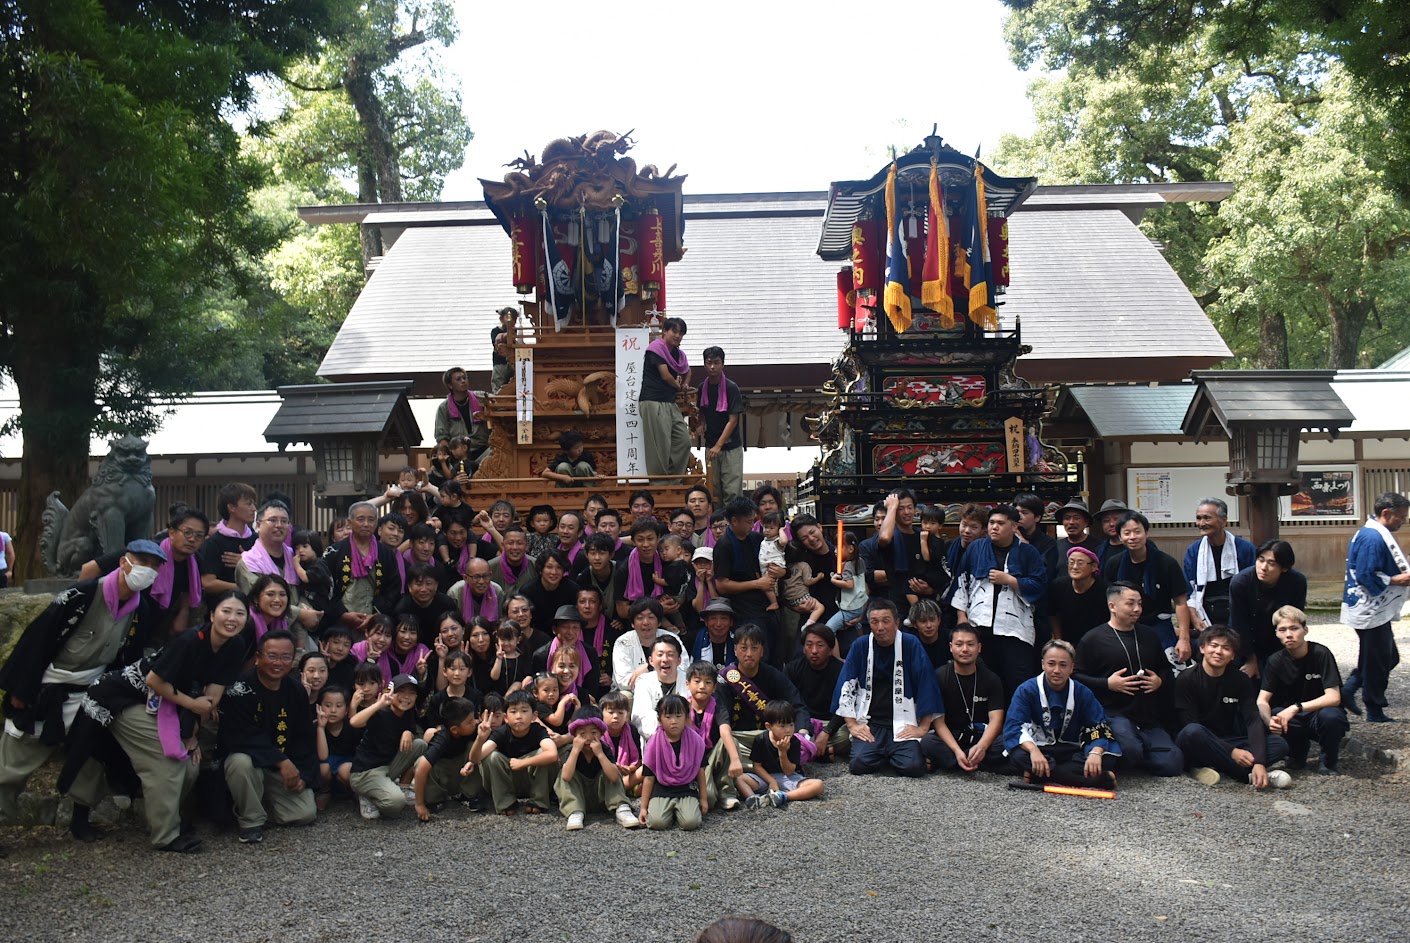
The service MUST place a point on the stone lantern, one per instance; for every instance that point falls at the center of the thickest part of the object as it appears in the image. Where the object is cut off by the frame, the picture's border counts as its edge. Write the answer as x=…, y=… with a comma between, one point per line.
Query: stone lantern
x=1263, y=414
x=348, y=425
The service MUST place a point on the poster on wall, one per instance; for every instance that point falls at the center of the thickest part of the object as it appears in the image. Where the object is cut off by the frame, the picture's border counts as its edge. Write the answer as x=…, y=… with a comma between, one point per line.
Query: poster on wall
x=631, y=354
x=1326, y=493
x=1153, y=493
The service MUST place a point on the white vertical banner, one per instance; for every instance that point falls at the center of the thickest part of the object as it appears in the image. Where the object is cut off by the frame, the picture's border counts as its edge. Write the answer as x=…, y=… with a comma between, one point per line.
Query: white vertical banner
x=524, y=393
x=631, y=444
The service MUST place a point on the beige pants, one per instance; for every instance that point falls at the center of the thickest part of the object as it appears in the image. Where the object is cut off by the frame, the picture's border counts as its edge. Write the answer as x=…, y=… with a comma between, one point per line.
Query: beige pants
x=683, y=811
x=253, y=787
x=667, y=439
x=380, y=783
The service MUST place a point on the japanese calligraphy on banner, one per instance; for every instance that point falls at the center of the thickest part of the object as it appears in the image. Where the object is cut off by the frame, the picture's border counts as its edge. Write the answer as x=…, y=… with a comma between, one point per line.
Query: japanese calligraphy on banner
x=524, y=393
x=631, y=446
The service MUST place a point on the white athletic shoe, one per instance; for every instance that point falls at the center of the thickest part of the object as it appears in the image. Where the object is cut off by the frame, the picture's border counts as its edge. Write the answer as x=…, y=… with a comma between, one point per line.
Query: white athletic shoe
x=1279, y=779
x=1206, y=775
x=731, y=802
x=575, y=822
x=626, y=817
x=368, y=808
x=410, y=793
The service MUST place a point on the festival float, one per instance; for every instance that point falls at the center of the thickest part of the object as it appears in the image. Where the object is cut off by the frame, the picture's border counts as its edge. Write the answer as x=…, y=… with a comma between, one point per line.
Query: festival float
x=925, y=393
x=592, y=235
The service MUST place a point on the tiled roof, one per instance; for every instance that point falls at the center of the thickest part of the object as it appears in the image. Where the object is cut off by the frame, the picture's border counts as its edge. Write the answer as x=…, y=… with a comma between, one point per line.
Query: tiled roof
x=1089, y=284
x=345, y=409
x=1129, y=411
x=1086, y=284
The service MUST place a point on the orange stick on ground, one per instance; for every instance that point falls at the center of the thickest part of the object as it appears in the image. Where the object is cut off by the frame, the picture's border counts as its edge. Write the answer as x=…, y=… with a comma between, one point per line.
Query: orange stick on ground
x=1078, y=791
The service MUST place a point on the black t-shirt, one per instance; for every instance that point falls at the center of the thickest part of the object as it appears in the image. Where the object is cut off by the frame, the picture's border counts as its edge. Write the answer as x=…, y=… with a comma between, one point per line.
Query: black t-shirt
x=653, y=388
x=344, y=742
x=428, y=618
x=1301, y=679
x=715, y=420
x=897, y=580
x=883, y=667
x=445, y=746
x=622, y=572
x=1077, y=612
x=437, y=702
x=382, y=740
x=1225, y=704
x=968, y=699
x=765, y=755
x=751, y=604
x=712, y=735
x=341, y=673
x=496, y=359
x=1169, y=582
x=772, y=685
x=461, y=513
x=188, y=663
x=937, y=650
x=218, y=544
x=824, y=562
x=548, y=601
x=815, y=686
x=515, y=748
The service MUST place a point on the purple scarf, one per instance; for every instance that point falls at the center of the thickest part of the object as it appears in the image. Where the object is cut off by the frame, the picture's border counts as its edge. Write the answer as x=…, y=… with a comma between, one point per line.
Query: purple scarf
x=116, y=606
x=721, y=400
x=667, y=767
x=362, y=566
x=635, y=589
x=462, y=563
x=169, y=731
x=263, y=624
x=224, y=528
x=624, y=753
x=599, y=635
x=707, y=719
x=454, y=410
x=468, y=610
x=161, y=591
x=392, y=665
x=257, y=560
x=573, y=551
x=584, y=663
x=676, y=359
x=510, y=577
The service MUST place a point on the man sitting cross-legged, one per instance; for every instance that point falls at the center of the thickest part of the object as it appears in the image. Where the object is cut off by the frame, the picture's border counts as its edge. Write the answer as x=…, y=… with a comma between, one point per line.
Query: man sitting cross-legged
x=1222, y=734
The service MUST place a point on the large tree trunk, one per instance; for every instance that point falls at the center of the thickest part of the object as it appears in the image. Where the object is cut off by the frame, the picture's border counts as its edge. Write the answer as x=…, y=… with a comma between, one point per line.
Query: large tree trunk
x=1272, y=341
x=54, y=373
x=372, y=117
x=1344, y=340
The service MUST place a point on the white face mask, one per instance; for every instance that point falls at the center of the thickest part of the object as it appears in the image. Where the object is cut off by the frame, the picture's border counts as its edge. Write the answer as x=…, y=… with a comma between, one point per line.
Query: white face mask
x=139, y=577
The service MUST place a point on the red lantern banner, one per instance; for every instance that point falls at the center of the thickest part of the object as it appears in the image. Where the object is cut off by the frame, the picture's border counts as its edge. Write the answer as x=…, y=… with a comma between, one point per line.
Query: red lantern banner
x=999, y=249
x=653, y=252
x=845, y=294
x=867, y=250
x=524, y=237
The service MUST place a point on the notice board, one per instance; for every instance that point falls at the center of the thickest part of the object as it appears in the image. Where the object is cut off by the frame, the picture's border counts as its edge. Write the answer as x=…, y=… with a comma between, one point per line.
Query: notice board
x=1169, y=495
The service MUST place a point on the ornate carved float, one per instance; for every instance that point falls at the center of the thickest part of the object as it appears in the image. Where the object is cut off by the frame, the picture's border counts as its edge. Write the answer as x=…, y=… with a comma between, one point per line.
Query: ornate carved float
x=924, y=393
x=591, y=237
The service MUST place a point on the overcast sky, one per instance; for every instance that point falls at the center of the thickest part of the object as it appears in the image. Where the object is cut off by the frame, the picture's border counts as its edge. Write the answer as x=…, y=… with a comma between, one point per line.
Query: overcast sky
x=741, y=96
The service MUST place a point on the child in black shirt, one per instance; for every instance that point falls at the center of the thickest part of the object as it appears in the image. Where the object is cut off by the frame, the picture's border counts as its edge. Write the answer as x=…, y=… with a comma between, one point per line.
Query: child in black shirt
x=440, y=770
x=337, y=742
x=574, y=466
x=517, y=759
x=777, y=778
x=388, y=749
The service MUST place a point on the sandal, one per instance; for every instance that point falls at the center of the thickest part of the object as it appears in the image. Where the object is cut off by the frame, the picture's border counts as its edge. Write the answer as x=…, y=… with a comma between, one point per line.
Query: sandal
x=532, y=809
x=512, y=810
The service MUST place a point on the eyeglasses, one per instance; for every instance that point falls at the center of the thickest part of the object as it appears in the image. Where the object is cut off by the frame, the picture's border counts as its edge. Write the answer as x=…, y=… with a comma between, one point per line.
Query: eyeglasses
x=277, y=521
x=193, y=535
x=277, y=658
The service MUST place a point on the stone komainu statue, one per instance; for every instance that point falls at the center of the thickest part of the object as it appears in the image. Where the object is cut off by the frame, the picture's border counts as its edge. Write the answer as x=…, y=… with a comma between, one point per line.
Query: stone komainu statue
x=116, y=509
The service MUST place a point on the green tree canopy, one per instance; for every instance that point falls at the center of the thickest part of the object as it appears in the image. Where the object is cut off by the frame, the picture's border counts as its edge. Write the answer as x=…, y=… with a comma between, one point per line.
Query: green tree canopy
x=123, y=190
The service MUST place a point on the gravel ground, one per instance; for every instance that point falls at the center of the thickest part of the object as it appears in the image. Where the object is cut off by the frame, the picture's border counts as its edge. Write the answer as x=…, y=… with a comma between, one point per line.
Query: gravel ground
x=878, y=859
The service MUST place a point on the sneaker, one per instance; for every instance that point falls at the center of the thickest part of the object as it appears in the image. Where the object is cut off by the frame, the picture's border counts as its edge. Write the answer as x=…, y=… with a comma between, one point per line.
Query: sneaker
x=754, y=802
x=1206, y=775
x=1279, y=779
x=626, y=817
x=730, y=802
x=410, y=794
x=575, y=822
x=1348, y=700
x=251, y=836
x=779, y=799
x=368, y=808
